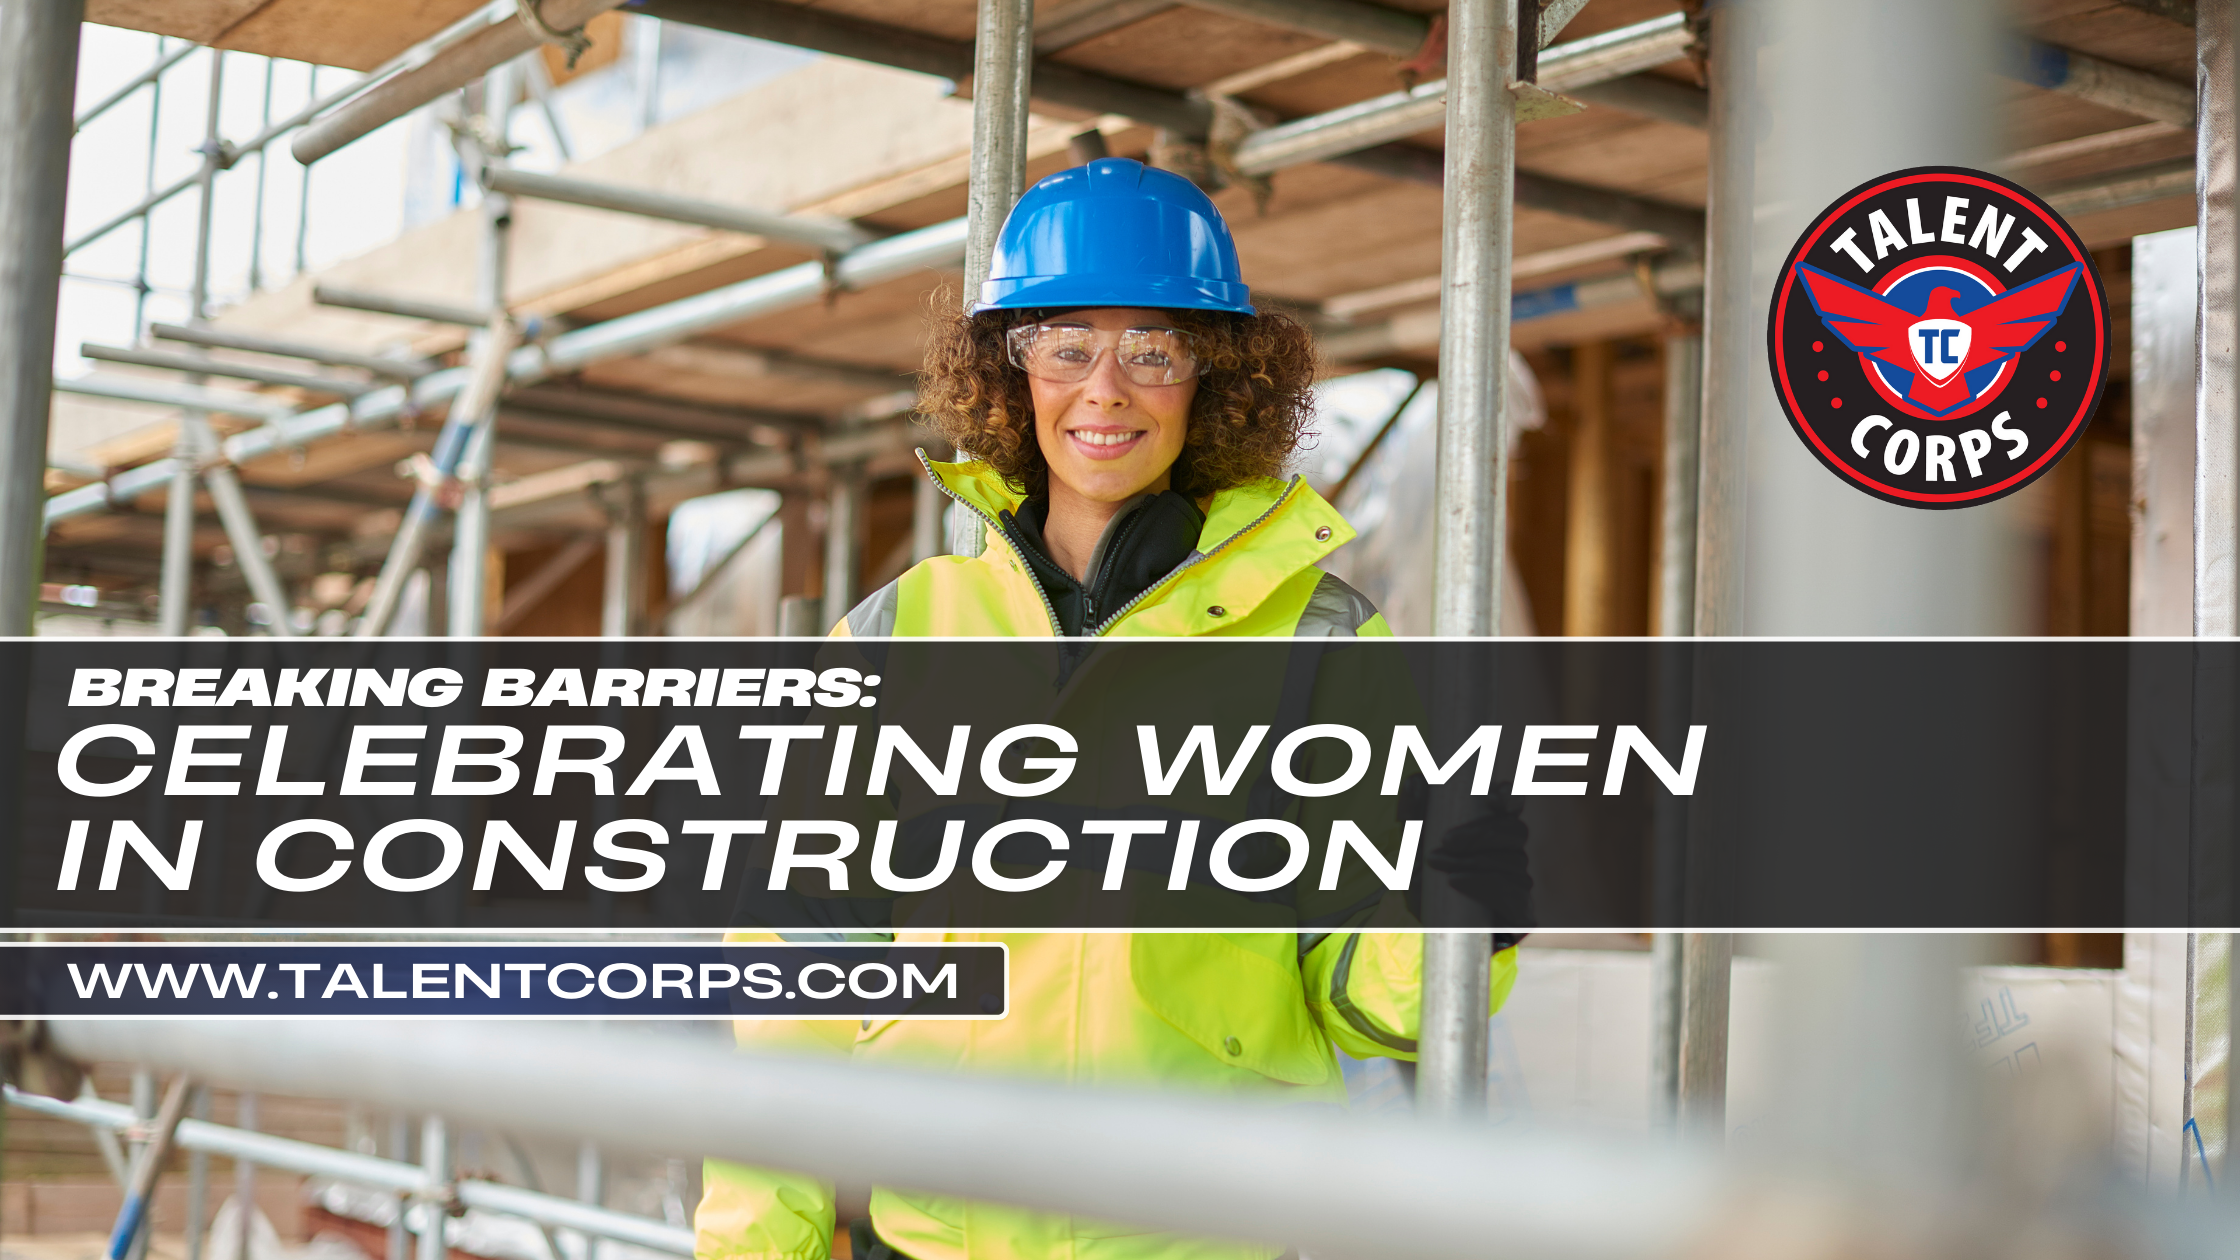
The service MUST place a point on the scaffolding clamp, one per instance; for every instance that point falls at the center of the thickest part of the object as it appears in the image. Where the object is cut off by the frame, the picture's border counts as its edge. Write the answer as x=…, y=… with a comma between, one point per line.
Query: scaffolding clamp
x=575, y=41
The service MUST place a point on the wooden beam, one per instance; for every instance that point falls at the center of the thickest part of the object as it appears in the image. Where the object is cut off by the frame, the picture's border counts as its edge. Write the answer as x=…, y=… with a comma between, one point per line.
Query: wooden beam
x=538, y=586
x=1589, y=543
x=842, y=36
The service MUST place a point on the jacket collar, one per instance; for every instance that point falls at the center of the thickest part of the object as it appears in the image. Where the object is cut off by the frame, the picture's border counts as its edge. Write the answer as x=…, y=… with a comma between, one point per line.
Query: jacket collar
x=1257, y=536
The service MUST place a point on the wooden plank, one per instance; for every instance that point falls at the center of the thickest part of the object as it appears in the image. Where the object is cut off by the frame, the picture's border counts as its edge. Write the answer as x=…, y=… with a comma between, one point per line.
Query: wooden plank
x=341, y=32
x=199, y=20
x=1185, y=47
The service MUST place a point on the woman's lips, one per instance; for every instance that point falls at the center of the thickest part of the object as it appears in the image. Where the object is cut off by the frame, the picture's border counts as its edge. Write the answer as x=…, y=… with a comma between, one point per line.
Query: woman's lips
x=1104, y=443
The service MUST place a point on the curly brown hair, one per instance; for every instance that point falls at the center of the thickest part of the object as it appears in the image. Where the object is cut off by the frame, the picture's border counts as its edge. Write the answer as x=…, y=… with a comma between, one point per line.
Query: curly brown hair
x=1255, y=395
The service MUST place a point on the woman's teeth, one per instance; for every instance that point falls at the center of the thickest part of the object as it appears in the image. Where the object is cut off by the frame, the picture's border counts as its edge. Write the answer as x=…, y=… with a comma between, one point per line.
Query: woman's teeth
x=1107, y=439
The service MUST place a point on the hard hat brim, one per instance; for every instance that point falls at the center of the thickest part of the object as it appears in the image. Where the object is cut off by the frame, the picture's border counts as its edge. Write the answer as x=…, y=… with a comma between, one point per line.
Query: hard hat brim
x=1159, y=292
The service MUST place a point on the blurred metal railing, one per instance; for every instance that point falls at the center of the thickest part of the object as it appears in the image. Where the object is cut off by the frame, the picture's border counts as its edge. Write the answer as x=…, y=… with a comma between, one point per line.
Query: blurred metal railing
x=410, y=1181
x=1883, y=1141
x=1333, y=1185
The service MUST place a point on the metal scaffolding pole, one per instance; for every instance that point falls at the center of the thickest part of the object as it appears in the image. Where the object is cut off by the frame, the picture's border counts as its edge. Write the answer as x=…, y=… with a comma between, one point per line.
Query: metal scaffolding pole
x=148, y=180
x=230, y=339
x=198, y=1180
x=435, y=1159
x=1683, y=446
x=244, y=1178
x=164, y=61
x=175, y=596
x=941, y=245
x=1821, y=557
x=400, y=1151
x=38, y=81
x=1733, y=374
x=591, y=1187
x=1700, y=1062
x=469, y=570
x=174, y=593
x=927, y=503
x=1474, y=303
x=1330, y=1184
x=1664, y=1029
x=458, y=57
x=836, y=235
x=622, y=602
x=485, y=376
x=843, y=544
x=470, y=538
x=2216, y=476
x=1451, y=1082
x=144, y=1111
x=1002, y=69
x=241, y=527
x=1468, y=538
x=394, y=1173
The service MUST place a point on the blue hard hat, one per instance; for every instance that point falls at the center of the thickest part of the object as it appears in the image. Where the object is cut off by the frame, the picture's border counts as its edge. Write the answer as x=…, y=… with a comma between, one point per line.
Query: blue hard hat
x=1115, y=233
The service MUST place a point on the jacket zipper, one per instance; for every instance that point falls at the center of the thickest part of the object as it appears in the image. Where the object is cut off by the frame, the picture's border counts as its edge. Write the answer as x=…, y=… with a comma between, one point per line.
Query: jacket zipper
x=1186, y=565
x=1049, y=609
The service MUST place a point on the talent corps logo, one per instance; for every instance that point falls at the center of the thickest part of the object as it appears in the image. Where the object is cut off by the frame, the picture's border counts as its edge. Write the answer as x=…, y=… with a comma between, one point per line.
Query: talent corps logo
x=1939, y=337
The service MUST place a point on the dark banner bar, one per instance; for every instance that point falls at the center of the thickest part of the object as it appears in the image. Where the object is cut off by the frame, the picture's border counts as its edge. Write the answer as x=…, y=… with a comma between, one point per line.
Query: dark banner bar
x=820, y=980
x=881, y=786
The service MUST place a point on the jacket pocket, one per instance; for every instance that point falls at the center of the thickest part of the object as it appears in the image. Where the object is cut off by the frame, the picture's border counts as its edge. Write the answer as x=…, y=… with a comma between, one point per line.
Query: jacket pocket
x=1238, y=996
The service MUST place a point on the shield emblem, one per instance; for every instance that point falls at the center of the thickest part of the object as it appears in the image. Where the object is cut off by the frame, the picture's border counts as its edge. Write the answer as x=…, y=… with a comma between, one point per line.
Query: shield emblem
x=1940, y=346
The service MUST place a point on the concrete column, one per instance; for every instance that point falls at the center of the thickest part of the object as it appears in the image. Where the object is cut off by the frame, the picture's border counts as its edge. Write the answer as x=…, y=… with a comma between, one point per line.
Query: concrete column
x=38, y=88
x=1914, y=86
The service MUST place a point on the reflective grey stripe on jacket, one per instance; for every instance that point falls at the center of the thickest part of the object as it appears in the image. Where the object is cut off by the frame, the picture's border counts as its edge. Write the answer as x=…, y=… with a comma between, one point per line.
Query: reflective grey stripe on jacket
x=874, y=617
x=1334, y=611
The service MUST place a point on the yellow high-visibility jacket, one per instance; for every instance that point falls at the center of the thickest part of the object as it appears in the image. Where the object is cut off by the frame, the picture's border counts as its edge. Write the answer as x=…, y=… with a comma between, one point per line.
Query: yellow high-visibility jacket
x=1253, y=573
x=1223, y=1013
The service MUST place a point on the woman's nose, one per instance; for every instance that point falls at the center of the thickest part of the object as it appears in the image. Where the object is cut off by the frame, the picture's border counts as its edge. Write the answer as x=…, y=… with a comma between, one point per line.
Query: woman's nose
x=1106, y=387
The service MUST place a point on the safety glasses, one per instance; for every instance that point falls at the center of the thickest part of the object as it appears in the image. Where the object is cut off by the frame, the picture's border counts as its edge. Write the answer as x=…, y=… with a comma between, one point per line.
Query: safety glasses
x=1068, y=353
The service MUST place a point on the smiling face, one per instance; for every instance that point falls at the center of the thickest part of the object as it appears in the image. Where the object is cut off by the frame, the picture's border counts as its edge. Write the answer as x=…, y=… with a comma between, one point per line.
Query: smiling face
x=1106, y=438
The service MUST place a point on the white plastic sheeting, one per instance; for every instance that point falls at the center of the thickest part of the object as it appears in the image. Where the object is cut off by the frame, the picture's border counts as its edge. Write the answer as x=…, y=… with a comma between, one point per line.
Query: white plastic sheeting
x=1391, y=505
x=734, y=589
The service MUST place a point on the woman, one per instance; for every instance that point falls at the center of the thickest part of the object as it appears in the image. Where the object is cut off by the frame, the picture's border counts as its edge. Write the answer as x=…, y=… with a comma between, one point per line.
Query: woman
x=1131, y=415
x=1131, y=412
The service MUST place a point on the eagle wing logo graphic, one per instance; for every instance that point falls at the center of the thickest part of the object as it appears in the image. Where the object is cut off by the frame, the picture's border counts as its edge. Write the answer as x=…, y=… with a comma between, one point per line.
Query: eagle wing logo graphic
x=1922, y=344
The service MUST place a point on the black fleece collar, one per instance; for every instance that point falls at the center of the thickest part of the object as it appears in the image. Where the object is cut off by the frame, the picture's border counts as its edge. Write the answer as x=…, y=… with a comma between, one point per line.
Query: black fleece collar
x=1148, y=538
